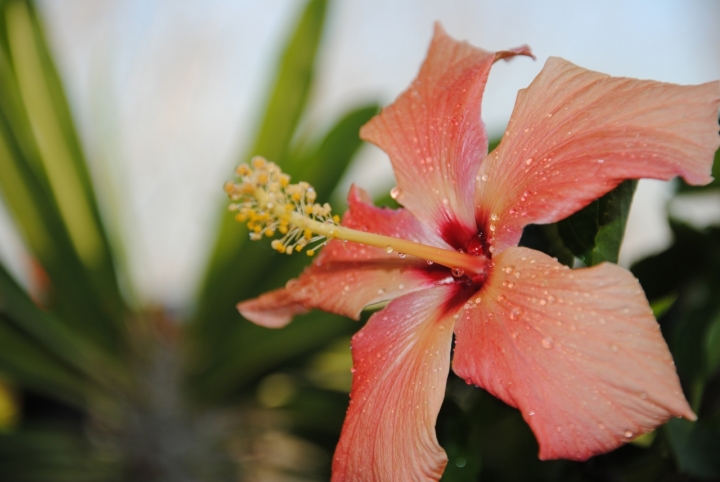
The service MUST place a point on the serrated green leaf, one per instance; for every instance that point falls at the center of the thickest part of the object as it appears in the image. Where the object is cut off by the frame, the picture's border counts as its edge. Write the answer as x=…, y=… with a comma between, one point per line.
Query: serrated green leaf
x=594, y=234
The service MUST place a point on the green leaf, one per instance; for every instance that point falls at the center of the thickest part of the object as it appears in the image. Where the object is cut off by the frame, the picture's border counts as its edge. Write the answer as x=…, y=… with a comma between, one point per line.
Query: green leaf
x=54, y=338
x=45, y=182
x=594, y=234
x=696, y=446
x=278, y=125
x=43, y=454
x=255, y=267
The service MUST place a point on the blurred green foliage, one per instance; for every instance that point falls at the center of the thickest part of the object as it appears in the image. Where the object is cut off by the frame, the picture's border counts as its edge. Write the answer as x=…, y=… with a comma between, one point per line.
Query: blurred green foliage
x=92, y=389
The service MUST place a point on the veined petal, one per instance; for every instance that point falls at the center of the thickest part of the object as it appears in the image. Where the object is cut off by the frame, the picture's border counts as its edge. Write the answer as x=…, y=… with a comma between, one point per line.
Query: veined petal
x=346, y=277
x=401, y=360
x=435, y=137
x=577, y=351
x=575, y=134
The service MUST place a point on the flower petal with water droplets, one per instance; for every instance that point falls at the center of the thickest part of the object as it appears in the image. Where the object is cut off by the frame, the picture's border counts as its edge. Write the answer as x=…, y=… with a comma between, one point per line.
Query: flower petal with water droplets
x=582, y=356
x=346, y=277
x=435, y=137
x=575, y=134
x=401, y=360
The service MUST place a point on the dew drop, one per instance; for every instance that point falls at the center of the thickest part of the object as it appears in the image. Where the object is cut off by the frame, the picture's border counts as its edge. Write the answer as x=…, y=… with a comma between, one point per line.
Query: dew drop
x=547, y=342
x=531, y=413
x=543, y=302
x=509, y=269
x=429, y=261
x=494, y=216
x=458, y=272
x=501, y=298
x=601, y=426
x=485, y=177
x=388, y=249
x=600, y=161
x=551, y=299
x=401, y=255
x=478, y=300
x=614, y=348
x=395, y=192
x=529, y=161
x=445, y=201
x=352, y=370
x=628, y=433
x=381, y=291
x=516, y=313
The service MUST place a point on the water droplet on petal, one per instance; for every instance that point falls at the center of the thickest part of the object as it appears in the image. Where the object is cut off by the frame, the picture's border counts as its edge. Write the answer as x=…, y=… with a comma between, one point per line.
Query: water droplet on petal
x=352, y=370
x=401, y=255
x=501, y=298
x=509, y=269
x=516, y=313
x=600, y=161
x=494, y=216
x=531, y=413
x=628, y=433
x=601, y=426
x=529, y=161
x=429, y=261
x=388, y=249
x=485, y=177
x=547, y=342
x=458, y=272
x=614, y=348
x=395, y=192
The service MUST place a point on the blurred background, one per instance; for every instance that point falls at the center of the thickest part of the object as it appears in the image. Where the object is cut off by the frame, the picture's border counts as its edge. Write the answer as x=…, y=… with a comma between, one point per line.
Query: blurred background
x=121, y=354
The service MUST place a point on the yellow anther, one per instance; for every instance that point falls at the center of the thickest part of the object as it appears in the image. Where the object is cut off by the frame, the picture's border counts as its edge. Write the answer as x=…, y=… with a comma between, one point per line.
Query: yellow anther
x=296, y=196
x=283, y=229
x=288, y=250
x=229, y=187
x=284, y=180
x=269, y=233
x=262, y=178
x=258, y=162
x=310, y=252
x=257, y=228
x=299, y=248
x=241, y=217
x=307, y=234
x=309, y=209
x=336, y=218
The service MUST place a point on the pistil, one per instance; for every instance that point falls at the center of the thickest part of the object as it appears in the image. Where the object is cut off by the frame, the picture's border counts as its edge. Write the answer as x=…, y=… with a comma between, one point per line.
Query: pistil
x=267, y=201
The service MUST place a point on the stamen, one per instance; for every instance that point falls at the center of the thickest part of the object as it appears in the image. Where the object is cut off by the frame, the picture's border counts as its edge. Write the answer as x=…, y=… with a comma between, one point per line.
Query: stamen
x=263, y=198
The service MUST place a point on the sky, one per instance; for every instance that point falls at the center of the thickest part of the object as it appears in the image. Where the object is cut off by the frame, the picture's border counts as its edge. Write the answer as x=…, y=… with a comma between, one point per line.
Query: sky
x=166, y=94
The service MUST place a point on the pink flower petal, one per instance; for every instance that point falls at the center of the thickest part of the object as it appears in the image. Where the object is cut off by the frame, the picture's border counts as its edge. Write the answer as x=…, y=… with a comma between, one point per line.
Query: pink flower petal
x=401, y=360
x=435, y=138
x=577, y=351
x=576, y=134
x=346, y=277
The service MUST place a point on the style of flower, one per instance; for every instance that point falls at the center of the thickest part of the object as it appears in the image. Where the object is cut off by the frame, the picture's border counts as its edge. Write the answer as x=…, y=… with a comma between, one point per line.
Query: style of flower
x=578, y=352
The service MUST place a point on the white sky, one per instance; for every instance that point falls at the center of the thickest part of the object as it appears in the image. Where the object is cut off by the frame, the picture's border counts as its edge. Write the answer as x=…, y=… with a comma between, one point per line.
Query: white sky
x=166, y=93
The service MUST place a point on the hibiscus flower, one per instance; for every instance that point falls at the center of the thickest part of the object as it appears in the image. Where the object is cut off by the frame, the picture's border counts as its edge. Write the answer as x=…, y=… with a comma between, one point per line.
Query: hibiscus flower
x=577, y=351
